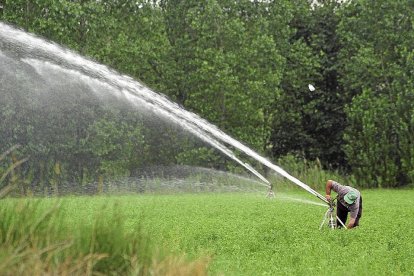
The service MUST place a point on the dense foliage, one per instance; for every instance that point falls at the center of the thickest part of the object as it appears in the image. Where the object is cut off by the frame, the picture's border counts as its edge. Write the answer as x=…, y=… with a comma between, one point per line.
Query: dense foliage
x=242, y=65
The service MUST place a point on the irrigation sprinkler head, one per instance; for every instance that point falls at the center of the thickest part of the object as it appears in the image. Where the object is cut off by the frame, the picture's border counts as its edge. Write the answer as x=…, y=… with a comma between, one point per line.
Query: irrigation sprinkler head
x=330, y=216
x=270, y=192
x=311, y=87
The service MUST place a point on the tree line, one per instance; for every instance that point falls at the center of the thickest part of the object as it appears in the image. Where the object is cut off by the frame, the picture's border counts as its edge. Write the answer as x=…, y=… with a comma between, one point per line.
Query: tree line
x=245, y=66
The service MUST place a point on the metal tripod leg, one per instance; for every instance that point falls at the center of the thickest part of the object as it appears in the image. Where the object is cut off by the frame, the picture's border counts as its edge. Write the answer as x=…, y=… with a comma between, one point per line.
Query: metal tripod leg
x=270, y=193
x=341, y=222
x=325, y=218
x=329, y=213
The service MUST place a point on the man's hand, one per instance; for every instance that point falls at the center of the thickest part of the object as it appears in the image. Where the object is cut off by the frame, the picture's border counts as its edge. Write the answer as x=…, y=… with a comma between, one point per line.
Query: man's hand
x=351, y=223
x=328, y=198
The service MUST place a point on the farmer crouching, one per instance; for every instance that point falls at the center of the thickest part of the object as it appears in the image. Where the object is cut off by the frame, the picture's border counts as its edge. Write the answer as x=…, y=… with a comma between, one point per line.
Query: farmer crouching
x=349, y=200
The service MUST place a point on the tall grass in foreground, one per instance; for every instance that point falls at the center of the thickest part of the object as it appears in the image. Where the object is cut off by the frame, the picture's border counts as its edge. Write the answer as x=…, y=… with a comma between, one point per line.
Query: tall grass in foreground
x=39, y=240
x=36, y=240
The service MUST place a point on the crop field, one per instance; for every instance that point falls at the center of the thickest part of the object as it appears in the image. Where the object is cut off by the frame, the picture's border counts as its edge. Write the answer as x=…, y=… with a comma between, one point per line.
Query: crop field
x=234, y=233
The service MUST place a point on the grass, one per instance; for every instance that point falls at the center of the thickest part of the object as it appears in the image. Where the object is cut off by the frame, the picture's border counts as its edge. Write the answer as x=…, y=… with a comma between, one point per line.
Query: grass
x=235, y=233
x=80, y=236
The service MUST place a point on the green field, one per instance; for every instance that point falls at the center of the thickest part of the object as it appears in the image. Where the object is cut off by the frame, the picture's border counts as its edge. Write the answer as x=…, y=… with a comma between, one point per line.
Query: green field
x=240, y=234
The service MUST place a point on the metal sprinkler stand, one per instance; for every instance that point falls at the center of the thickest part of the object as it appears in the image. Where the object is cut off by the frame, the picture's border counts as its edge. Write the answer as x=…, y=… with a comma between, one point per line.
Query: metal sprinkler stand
x=329, y=215
x=270, y=193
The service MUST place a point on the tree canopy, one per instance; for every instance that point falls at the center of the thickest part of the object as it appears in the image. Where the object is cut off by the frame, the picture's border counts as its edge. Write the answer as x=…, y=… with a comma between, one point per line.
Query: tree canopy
x=245, y=67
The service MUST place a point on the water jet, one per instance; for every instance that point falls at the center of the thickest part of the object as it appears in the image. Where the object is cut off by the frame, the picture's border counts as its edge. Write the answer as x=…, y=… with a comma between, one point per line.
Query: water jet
x=55, y=82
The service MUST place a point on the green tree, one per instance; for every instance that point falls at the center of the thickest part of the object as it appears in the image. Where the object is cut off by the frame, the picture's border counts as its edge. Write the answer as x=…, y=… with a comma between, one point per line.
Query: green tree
x=227, y=64
x=294, y=104
x=377, y=67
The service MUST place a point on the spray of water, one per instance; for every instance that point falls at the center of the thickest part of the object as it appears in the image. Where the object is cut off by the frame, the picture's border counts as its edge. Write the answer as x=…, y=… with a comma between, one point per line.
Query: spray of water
x=301, y=200
x=44, y=69
x=45, y=56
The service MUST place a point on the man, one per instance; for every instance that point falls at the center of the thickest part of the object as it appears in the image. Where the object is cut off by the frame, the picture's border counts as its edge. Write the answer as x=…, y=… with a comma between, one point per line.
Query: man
x=349, y=200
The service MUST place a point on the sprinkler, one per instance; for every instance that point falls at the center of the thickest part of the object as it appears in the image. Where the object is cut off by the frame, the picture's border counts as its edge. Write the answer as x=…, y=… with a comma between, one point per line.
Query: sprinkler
x=270, y=193
x=330, y=216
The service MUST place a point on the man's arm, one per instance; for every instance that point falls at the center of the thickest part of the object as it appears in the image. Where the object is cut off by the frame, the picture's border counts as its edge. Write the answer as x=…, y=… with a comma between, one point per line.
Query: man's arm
x=353, y=214
x=351, y=223
x=328, y=189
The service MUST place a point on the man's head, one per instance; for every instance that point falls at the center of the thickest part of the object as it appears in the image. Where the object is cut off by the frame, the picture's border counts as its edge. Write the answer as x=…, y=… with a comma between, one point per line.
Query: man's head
x=350, y=197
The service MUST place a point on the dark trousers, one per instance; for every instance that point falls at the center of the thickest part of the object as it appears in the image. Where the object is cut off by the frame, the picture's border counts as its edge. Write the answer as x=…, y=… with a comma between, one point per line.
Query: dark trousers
x=342, y=213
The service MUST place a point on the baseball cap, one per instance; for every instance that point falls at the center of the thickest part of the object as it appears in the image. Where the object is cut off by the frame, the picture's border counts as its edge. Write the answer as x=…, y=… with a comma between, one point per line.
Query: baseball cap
x=350, y=197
